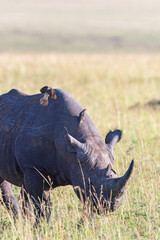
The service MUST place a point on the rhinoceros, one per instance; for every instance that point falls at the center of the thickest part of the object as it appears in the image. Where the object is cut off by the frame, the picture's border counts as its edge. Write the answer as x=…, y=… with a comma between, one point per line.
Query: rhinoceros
x=44, y=147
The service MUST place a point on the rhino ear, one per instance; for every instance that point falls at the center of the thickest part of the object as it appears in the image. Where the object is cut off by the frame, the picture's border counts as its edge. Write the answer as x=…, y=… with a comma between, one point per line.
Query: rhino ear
x=82, y=116
x=112, y=138
x=72, y=145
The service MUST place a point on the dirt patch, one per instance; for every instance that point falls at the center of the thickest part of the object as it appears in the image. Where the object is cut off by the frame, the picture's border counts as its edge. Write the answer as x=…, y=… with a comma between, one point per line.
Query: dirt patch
x=153, y=104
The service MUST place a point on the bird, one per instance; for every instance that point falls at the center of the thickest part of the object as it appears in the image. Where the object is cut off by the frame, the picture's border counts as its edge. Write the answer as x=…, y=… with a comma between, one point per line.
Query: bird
x=48, y=92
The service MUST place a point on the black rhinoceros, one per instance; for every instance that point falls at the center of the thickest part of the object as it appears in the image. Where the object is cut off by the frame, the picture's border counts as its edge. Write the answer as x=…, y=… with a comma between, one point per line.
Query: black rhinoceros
x=43, y=147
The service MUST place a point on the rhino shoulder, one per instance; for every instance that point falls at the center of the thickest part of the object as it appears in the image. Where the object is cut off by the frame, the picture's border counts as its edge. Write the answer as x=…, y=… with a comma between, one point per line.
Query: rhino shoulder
x=16, y=92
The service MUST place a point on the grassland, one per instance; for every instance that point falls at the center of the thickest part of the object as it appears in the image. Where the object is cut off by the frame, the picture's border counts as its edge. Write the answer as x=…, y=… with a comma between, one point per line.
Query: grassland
x=107, y=85
x=85, y=25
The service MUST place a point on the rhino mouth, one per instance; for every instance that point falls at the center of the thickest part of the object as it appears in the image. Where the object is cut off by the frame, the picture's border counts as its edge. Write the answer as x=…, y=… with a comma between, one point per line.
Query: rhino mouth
x=105, y=207
x=111, y=196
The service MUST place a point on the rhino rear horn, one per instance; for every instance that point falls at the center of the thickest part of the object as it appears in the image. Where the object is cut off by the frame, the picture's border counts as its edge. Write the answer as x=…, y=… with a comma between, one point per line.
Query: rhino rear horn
x=112, y=138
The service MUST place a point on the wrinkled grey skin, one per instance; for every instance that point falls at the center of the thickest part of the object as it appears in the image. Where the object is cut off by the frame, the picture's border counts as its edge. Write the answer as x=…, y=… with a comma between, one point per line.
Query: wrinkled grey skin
x=59, y=144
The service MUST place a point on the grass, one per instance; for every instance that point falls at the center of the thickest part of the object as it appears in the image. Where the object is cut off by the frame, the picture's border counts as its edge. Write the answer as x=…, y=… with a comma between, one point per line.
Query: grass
x=107, y=85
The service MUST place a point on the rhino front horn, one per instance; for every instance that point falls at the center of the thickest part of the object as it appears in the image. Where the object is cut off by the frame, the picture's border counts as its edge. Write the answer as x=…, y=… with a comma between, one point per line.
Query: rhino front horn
x=121, y=183
x=127, y=175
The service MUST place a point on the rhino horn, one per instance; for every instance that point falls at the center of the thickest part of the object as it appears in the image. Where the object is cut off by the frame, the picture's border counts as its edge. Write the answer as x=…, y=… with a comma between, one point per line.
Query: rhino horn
x=123, y=180
x=120, y=183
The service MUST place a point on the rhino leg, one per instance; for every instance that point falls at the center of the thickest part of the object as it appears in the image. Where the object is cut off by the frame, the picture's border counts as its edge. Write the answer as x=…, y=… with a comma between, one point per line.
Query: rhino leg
x=26, y=202
x=8, y=197
x=38, y=190
x=48, y=205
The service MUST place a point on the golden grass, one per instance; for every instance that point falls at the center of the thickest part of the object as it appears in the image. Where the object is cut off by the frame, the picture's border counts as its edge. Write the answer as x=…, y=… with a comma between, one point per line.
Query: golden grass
x=107, y=85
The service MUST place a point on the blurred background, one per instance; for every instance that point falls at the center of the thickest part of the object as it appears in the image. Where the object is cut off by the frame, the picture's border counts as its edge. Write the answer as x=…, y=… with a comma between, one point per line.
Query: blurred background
x=80, y=25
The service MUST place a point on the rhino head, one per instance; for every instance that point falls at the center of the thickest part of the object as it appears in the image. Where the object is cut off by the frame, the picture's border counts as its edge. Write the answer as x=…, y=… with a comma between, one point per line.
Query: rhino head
x=93, y=177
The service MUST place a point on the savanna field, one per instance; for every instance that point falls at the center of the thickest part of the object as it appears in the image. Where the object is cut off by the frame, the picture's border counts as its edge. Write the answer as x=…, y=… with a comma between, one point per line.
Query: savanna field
x=118, y=92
